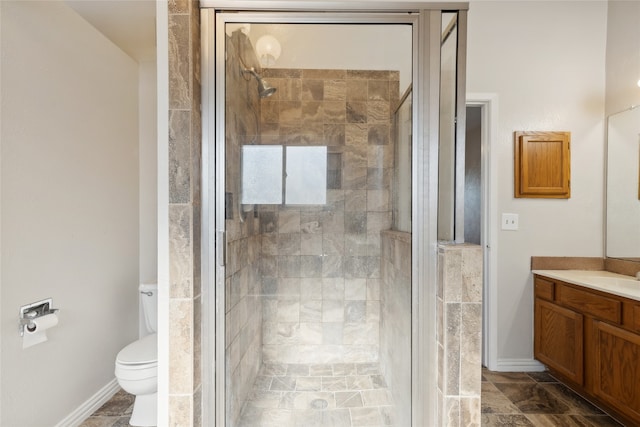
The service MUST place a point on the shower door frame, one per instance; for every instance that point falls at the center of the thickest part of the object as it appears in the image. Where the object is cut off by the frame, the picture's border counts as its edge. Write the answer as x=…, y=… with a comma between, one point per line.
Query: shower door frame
x=425, y=19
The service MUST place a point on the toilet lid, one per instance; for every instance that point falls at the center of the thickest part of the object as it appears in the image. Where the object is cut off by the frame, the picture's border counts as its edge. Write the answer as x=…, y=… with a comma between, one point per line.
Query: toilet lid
x=145, y=350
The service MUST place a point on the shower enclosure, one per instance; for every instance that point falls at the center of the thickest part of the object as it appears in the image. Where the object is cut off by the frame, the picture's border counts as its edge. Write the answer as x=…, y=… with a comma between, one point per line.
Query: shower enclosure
x=320, y=184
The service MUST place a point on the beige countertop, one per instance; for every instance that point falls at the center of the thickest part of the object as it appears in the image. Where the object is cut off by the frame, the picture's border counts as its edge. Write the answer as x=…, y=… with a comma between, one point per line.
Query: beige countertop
x=605, y=281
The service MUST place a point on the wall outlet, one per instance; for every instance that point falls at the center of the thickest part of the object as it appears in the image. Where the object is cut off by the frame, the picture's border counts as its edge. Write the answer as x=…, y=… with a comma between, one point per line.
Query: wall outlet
x=509, y=221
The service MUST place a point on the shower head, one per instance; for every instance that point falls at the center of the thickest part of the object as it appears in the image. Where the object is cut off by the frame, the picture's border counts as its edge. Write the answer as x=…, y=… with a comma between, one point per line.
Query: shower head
x=264, y=89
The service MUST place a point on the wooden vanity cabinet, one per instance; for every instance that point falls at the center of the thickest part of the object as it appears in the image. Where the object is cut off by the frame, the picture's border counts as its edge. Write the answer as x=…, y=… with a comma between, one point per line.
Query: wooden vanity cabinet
x=616, y=370
x=591, y=340
x=559, y=339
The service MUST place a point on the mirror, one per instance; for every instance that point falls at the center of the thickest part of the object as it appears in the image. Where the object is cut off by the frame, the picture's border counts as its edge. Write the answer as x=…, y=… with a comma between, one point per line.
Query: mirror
x=622, y=228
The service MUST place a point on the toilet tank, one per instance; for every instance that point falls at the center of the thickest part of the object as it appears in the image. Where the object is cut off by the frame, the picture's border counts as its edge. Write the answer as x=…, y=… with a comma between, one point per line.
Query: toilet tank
x=148, y=308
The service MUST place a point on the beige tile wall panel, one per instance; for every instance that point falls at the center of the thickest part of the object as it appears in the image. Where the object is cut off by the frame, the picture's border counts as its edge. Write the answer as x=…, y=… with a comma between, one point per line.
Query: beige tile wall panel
x=184, y=214
x=459, y=334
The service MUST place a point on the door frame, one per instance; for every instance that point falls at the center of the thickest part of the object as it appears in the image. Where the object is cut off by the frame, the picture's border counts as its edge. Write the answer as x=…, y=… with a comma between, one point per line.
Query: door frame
x=488, y=103
x=426, y=19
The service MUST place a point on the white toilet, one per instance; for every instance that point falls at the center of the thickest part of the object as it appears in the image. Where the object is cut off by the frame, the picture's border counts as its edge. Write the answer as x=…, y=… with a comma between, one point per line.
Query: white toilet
x=137, y=364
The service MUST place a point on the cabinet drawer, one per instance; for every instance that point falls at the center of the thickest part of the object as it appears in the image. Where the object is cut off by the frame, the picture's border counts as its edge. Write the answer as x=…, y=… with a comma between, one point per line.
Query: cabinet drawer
x=543, y=288
x=589, y=303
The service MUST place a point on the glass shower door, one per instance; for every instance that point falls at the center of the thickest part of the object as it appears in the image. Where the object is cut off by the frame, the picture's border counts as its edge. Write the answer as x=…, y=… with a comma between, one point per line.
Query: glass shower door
x=316, y=290
x=318, y=286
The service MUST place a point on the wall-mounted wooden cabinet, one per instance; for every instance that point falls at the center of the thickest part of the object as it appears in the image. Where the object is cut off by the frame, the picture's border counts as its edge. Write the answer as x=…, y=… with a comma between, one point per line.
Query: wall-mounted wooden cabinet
x=590, y=340
x=542, y=165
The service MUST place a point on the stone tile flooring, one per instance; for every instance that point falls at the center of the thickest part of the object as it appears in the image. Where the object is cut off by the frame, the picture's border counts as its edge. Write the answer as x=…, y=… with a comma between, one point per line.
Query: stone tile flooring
x=312, y=395
x=535, y=399
x=115, y=413
x=357, y=395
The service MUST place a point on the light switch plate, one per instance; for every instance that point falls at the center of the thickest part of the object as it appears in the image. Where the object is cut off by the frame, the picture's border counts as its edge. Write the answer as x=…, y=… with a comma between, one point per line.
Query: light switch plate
x=509, y=221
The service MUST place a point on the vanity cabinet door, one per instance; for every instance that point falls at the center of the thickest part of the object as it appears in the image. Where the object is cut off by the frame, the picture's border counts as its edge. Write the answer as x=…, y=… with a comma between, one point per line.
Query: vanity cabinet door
x=559, y=339
x=617, y=371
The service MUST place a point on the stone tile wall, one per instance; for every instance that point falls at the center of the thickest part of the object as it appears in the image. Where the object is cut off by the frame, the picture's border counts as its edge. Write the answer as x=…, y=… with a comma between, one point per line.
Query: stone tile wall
x=184, y=214
x=395, y=321
x=321, y=264
x=459, y=334
x=243, y=304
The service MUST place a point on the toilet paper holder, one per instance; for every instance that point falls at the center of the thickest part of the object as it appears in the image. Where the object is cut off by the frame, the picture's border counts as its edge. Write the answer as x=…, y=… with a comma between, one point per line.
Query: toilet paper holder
x=30, y=312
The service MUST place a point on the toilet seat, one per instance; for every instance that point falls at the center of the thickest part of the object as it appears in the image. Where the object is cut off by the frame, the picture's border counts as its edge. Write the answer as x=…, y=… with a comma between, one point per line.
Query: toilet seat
x=141, y=352
x=139, y=360
x=136, y=372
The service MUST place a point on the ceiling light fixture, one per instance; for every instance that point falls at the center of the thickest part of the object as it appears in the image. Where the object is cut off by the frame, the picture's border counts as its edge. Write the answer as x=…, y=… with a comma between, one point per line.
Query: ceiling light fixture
x=268, y=50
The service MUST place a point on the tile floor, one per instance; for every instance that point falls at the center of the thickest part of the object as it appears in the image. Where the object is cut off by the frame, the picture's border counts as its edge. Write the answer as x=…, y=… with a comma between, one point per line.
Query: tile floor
x=535, y=400
x=115, y=413
x=318, y=395
x=356, y=395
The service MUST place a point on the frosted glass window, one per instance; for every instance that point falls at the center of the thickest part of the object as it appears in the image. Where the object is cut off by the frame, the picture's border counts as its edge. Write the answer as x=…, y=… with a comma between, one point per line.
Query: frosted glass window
x=261, y=174
x=306, y=179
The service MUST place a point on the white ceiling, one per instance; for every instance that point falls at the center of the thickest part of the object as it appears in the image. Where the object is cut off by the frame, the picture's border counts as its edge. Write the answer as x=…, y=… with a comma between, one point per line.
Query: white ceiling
x=129, y=24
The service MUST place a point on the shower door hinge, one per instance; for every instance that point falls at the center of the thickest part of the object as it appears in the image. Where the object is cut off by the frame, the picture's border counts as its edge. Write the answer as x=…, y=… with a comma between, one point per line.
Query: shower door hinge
x=221, y=245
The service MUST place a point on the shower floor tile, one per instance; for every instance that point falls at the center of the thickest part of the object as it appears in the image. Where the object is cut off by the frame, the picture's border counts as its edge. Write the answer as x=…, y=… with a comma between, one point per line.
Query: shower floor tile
x=317, y=395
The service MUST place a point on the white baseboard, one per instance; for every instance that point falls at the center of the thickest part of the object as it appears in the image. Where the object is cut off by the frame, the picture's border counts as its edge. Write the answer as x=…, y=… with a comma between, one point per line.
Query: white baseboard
x=519, y=365
x=85, y=410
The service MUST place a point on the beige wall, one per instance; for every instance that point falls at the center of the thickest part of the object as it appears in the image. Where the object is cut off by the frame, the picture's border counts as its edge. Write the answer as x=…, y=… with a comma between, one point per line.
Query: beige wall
x=545, y=62
x=148, y=136
x=69, y=173
x=370, y=47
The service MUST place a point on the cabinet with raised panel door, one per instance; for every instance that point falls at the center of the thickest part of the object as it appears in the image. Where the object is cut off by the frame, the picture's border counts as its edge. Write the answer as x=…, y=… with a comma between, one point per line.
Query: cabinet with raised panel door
x=616, y=371
x=590, y=340
x=559, y=339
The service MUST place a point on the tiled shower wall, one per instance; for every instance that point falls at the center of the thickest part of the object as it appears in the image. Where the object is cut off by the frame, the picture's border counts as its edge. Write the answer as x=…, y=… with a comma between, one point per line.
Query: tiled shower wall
x=184, y=214
x=321, y=264
x=459, y=334
x=395, y=321
x=243, y=305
